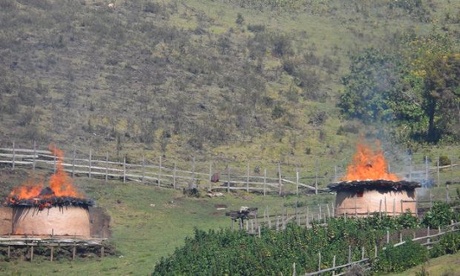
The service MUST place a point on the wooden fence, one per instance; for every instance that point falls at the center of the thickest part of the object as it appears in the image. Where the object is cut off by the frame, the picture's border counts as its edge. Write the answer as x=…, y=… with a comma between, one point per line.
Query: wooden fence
x=164, y=173
x=160, y=174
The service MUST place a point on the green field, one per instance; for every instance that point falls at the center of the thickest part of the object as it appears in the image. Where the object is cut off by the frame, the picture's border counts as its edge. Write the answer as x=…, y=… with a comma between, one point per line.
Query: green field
x=149, y=223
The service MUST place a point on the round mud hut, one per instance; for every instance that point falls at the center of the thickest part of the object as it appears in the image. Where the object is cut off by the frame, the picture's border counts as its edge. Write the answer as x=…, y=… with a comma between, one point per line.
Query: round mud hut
x=71, y=221
x=364, y=198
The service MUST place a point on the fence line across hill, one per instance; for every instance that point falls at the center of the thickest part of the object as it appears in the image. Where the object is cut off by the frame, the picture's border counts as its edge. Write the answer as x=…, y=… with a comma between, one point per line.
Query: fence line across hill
x=159, y=174
x=264, y=181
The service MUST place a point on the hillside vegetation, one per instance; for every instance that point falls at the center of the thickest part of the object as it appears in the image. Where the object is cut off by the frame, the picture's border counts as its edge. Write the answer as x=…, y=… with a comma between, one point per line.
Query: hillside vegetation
x=211, y=79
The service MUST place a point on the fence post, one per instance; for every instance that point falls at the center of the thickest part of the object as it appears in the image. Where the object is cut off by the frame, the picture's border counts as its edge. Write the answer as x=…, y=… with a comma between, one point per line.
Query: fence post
x=228, y=178
x=349, y=253
x=316, y=177
x=193, y=171
x=174, y=176
x=54, y=159
x=143, y=169
x=265, y=181
x=35, y=154
x=297, y=181
x=437, y=172
x=293, y=270
x=106, y=166
x=89, y=168
x=124, y=169
x=333, y=265
x=279, y=177
x=210, y=176
x=73, y=161
x=319, y=261
x=159, y=172
x=247, y=178
x=14, y=154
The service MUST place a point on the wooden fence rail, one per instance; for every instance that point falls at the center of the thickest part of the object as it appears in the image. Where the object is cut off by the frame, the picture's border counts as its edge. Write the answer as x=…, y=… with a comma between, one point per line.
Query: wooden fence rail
x=158, y=174
x=264, y=181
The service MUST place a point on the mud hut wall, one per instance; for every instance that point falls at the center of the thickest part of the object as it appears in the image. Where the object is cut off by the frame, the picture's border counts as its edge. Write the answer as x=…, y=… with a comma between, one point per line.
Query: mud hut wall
x=62, y=221
x=6, y=215
x=391, y=202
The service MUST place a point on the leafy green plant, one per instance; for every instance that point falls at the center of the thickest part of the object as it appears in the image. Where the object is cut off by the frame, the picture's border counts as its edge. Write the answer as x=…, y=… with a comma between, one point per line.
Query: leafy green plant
x=441, y=214
x=397, y=259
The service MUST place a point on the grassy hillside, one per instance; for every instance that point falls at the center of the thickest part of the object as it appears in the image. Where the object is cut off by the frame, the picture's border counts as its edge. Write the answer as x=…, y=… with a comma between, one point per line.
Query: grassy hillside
x=238, y=80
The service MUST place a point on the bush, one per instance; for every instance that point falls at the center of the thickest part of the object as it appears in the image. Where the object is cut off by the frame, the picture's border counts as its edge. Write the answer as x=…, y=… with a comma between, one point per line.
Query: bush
x=448, y=244
x=397, y=259
x=440, y=215
x=444, y=161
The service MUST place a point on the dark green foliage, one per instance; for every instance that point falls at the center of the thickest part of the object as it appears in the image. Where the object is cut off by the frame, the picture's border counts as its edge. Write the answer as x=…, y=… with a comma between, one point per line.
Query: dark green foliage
x=397, y=259
x=237, y=253
x=441, y=214
x=373, y=79
x=444, y=160
x=448, y=244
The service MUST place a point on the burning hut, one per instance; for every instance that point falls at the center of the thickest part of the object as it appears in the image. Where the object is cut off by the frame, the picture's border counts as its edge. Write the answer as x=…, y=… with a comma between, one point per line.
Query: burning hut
x=56, y=210
x=368, y=187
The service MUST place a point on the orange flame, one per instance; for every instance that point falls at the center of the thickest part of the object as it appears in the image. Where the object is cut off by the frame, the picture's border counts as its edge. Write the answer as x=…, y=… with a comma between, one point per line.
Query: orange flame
x=368, y=165
x=59, y=182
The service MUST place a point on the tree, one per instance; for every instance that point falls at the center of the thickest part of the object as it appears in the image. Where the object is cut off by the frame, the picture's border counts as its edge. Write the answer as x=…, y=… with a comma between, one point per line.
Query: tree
x=373, y=78
x=433, y=79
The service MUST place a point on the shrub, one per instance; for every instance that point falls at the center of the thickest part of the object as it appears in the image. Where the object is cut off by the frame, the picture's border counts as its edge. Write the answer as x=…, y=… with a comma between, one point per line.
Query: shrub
x=448, y=244
x=444, y=161
x=397, y=259
x=440, y=215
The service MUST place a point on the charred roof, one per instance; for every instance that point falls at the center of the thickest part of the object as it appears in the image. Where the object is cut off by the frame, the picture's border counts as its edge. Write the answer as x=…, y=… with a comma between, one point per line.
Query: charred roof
x=374, y=185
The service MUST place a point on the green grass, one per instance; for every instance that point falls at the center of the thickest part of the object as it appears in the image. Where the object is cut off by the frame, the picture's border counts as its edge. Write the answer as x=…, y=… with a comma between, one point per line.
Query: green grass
x=143, y=234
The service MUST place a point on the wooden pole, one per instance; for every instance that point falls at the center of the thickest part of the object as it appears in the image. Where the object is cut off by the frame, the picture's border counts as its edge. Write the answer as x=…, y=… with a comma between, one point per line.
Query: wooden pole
x=265, y=181
x=319, y=260
x=333, y=265
x=31, y=253
x=210, y=176
x=316, y=177
x=279, y=178
x=74, y=251
x=35, y=155
x=102, y=251
x=159, y=173
x=124, y=169
x=349, y=253
x=89, y=168
x=193, y=170
x=228, y=178
x=297, y=181
x=52, y=253
x=143, y=169
x=14, y=154
x=174, y=175
x=54, y=159
x=106, y=166
x=73, y=161
x=437, y=171
x=247, y=178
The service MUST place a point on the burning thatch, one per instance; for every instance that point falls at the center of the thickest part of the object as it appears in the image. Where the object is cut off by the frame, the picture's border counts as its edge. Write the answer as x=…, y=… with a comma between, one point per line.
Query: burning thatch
x=374, y=185
x=48, y=202
x=59, y=193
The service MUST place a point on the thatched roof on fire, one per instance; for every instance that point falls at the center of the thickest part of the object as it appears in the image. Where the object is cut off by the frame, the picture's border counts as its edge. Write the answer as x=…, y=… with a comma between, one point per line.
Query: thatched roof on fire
x=374, y=185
